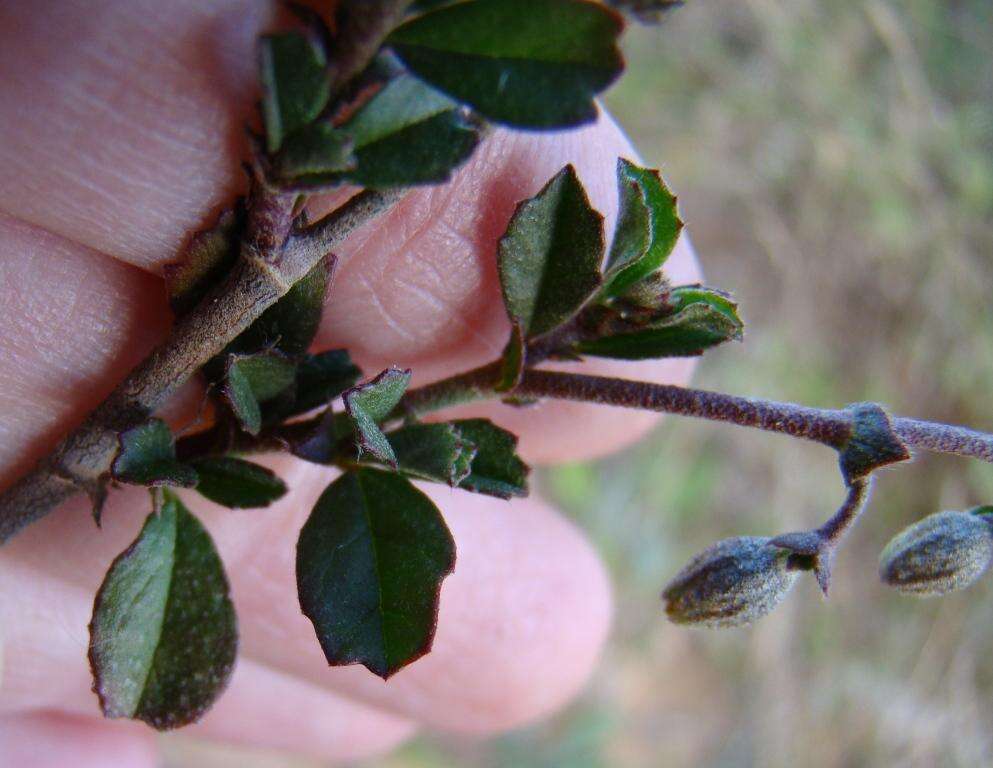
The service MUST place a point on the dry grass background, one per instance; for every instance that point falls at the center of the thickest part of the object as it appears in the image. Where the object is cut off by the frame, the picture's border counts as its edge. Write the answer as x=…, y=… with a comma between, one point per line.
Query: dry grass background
x=834, y=162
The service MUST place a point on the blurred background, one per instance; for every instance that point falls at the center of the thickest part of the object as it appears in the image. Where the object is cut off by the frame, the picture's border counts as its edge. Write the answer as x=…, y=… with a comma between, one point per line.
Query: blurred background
x=834, y=164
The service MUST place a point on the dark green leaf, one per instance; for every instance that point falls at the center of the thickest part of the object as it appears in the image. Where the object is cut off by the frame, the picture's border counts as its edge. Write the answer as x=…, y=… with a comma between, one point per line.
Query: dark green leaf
x=208, y=257
x=529, y=63
x=701, y=318
x=147, y=456
x=253, y=379
x=315, y=149
x=370, y=562
x=496, y=469
x=295, y=84
x=435, y=452
x=647, y=227
x=514, y=357
x=321, y=378
x=163, y=635
x=319, y=443
x=549, y=257
x=409, y=134
x=370, y=403
x=873, y=443
x=237, y=483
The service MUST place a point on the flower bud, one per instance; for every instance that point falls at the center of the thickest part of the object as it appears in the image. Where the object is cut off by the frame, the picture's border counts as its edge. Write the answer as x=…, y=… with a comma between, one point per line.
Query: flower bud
x=732, y=582
x=943, y=552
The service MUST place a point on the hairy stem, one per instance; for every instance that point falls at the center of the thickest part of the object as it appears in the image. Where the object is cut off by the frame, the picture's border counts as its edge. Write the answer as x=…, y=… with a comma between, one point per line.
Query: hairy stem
x=842, y=520
x=830, y=427
x=271, y=261
x=362, y=25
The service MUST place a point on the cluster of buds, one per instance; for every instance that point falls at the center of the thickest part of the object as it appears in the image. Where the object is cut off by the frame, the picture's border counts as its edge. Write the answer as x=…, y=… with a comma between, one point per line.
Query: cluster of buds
x=738, y=580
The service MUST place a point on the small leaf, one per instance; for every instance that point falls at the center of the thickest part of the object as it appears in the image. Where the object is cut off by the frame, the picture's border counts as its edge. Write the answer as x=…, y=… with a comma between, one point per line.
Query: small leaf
x=647, y=228
x=237, y=483
x=315, y=150
x=496, y=469
x=512, y=362
x=208, y=257
x=163, y=636
x=527, y=63
x=873, y=443
x=320, y=378
x=408, y=134
x=549, y=257
x=318, y=443
x=370, y=562
x=147, y=456
x=253, y=379
x=436, y=452
x=369, y=403
x=704, y=318
x=295, y=84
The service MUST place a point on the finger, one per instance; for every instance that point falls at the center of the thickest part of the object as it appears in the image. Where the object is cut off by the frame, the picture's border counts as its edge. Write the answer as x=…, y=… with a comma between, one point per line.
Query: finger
x=54, y=740
x=46, y=618
x=153, y=128
x=127, y=129
x=264, y=708
x=521, y=624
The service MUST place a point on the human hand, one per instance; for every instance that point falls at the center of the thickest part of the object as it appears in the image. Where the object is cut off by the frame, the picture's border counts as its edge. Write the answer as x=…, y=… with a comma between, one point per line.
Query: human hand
x=122, y=133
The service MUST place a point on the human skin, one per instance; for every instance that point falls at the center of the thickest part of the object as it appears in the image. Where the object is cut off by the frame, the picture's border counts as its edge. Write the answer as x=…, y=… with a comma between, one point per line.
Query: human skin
x=121, y=132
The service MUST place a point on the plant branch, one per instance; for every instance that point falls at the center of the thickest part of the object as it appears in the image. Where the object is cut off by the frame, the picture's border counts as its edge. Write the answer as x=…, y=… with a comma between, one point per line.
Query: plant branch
x=271, y=261
x=831, y=427
x=362, y=26
x=858, y=494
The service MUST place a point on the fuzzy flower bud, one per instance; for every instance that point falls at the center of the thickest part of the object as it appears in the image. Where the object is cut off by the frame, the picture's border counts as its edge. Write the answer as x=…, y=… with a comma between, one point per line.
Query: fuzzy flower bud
x=732, y=582
x=943, y=552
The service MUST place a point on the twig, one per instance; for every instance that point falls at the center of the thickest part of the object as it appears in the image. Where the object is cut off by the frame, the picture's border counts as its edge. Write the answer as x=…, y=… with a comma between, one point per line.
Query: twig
x=362, y=25
x=271, y=262
x=831, y=427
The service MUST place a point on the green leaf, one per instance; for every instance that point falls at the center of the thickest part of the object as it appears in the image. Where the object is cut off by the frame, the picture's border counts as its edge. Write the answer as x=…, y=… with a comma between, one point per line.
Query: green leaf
x=701, y=318
x=208, y=257
x=436, y=452
x=549, y=257
x=147, y=456
x=319, y=443
x=253, y=379
x=527, y=63
x=513, y=360
x=290, y=324
x=409, y=134
x=320, y=378
x=237, y=483
x=647, y=227
x=496, y=469
x=163, y=636
x=369, y=403
x=370, y=562
x=295, y=84
x=315, y=150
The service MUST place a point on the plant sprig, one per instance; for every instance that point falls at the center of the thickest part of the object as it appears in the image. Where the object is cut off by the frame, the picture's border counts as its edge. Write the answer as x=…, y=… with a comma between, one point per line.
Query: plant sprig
x=400, y=94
